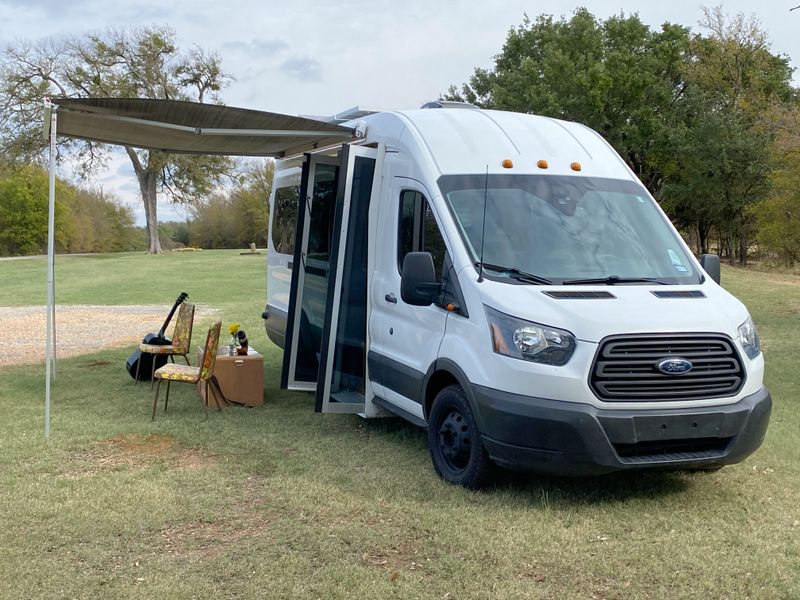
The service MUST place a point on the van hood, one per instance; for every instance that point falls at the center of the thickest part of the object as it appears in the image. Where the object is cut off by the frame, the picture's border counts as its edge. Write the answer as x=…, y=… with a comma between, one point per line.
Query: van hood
x=630, y=309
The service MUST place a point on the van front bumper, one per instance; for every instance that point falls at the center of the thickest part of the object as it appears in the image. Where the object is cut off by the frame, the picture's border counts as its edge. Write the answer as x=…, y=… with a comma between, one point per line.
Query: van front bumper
x=567, y=438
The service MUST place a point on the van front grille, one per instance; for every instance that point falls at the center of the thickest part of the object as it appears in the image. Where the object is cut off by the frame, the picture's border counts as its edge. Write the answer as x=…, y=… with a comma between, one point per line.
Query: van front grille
x=626, y=368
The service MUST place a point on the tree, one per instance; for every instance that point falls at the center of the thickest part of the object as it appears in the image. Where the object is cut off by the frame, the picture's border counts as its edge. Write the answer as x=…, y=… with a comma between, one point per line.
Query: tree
x=86, y=220
x=251, y=204
x=720, y=164
x=23, y=211
x=237, y=218
x=734, y=67
x=686, y=112
x=778, y=215
x=97, y=222
x=140, y=62
x=616, y=76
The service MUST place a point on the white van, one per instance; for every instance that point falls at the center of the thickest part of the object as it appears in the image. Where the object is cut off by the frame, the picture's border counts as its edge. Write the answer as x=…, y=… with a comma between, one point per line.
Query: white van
x=505, y=281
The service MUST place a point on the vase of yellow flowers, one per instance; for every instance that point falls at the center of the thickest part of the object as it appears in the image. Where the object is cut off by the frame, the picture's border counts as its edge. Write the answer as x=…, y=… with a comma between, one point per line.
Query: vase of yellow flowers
x=233, y=344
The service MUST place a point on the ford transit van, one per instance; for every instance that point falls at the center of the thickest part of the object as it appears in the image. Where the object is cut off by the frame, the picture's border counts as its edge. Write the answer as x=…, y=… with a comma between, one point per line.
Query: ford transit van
x=506, y=282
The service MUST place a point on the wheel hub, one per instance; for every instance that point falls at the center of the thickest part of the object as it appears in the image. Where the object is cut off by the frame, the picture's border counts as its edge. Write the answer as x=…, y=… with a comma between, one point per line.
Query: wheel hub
x=454, y=440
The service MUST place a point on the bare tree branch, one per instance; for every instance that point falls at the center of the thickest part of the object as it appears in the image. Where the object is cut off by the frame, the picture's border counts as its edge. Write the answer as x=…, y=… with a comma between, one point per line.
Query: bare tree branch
x=139, y=62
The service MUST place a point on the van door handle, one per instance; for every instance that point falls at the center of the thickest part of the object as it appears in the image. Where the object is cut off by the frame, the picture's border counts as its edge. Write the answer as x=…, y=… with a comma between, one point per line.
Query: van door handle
x=390, y=297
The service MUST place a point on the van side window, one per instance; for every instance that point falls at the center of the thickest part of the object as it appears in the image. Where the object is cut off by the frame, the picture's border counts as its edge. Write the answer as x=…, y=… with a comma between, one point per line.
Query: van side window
x=284, y=219
x=418, y=231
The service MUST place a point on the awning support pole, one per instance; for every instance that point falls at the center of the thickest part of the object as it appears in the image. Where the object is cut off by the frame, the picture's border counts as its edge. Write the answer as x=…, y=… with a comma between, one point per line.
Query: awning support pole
x=50, y=357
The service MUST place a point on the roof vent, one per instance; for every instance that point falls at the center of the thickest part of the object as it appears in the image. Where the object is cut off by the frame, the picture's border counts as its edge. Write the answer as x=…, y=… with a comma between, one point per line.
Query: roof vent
x=447, y=104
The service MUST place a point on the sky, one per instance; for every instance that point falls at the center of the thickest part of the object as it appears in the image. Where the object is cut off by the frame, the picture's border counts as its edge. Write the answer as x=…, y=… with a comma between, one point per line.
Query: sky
x=321, y=57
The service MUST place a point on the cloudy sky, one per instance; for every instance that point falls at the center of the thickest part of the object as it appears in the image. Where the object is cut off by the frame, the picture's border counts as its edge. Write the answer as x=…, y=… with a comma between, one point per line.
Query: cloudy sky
x=321, y=57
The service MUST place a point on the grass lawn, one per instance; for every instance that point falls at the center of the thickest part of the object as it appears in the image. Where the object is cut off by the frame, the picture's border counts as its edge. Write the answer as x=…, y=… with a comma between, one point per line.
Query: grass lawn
x=280, y=502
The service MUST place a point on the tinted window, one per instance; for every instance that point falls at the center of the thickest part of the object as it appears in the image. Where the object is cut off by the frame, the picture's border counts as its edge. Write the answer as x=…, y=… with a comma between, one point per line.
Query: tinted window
x=284, y=218
x=418, y=231
x=321, y=227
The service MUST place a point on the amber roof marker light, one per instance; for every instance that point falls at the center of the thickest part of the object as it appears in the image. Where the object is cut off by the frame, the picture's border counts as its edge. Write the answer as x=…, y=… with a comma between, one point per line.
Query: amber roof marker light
x=508, y=163
x=542, y=163
x=575, y=166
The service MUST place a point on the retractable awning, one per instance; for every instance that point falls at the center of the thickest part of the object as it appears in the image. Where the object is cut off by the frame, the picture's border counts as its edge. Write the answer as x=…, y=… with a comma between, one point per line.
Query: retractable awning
x=192, y=128
x=177, y=127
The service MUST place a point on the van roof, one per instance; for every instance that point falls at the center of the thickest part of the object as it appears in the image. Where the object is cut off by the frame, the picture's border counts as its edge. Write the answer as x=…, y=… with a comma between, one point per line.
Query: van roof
x=467, y=141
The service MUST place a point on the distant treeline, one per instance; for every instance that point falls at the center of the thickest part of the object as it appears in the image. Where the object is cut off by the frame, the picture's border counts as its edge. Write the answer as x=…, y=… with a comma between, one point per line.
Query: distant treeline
x=89, y=220
x=86, y=220
x=233, y=219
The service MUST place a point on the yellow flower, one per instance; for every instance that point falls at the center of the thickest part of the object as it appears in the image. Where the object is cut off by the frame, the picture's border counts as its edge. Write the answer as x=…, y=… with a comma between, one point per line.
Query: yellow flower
x=233, y=328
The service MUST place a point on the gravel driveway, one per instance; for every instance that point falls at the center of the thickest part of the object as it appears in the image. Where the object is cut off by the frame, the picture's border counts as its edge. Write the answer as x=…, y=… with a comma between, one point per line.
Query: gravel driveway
x=80, y=329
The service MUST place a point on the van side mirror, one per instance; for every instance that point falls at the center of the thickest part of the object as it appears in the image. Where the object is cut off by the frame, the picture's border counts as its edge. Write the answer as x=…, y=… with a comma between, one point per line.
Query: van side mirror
x=710, y=264
x=418, y=285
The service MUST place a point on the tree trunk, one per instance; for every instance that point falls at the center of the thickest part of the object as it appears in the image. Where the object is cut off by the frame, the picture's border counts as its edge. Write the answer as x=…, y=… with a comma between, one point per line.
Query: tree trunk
x=731, y=253
x=148, y=182
x=702, y=237
x=743, y=248
x=147, y=185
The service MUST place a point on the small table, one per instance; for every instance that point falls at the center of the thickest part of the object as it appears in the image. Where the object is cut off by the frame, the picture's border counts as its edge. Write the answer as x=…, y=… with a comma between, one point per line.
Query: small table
x=241, y=378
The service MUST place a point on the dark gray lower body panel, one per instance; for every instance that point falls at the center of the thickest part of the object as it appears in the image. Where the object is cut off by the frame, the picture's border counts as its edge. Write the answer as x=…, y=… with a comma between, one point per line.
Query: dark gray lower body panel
x=566, y=438
x=396, y=376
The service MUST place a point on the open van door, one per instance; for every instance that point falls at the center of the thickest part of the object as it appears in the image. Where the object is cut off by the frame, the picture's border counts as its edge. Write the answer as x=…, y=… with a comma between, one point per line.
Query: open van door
x=311, y=267
x=343, y=384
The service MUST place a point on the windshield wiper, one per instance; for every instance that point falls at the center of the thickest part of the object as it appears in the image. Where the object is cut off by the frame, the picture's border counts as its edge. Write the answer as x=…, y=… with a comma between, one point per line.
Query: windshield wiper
x=612, y=280
x=515, y=273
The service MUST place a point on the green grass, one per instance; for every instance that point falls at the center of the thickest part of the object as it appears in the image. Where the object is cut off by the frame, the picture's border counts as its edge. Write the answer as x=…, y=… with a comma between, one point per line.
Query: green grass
x=279, y=502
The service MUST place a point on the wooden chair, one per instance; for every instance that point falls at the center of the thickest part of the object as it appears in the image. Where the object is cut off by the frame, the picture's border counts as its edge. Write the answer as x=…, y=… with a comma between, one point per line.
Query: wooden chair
x=203, y=374
x=181, y=341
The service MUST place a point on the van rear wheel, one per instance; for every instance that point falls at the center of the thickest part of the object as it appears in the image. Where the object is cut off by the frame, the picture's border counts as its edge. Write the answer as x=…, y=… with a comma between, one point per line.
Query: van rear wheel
x=454, y=441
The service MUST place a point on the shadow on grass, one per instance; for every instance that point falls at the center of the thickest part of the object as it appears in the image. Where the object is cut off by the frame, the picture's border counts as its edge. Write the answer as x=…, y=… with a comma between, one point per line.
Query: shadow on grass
x=520, y=488
x=564, y=492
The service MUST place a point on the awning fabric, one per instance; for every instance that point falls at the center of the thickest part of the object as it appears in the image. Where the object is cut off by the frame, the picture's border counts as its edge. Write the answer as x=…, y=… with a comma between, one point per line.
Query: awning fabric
x=192, y=128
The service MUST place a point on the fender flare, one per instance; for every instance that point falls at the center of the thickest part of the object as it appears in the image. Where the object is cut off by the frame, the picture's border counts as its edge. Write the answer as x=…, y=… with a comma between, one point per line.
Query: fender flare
x=452, y=368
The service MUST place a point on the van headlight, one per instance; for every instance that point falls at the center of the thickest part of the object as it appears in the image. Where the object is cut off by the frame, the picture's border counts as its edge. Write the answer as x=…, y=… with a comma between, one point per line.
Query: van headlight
x=529, y=341
x=748, y=336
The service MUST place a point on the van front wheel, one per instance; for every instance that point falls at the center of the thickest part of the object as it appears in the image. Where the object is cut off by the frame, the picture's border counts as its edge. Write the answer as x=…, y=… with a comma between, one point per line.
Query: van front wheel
x=455, y=441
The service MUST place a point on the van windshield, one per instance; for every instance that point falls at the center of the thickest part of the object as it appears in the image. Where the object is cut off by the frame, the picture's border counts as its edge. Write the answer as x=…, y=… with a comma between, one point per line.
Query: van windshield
x=566, y=229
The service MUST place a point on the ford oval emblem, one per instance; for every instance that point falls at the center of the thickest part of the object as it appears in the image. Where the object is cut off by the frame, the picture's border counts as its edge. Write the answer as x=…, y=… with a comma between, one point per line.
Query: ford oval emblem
x=674, y=366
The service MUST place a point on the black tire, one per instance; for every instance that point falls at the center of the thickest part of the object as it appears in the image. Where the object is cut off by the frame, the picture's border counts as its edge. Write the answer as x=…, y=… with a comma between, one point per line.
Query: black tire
x=454, y=441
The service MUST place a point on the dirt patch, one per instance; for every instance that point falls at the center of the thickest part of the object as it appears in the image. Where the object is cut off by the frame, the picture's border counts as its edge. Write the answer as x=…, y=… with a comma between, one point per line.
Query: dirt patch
x=531, y=571
x=208, y=540
x=394, y=560
x=135, y=452
x=80, y=329
x=242, y=520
